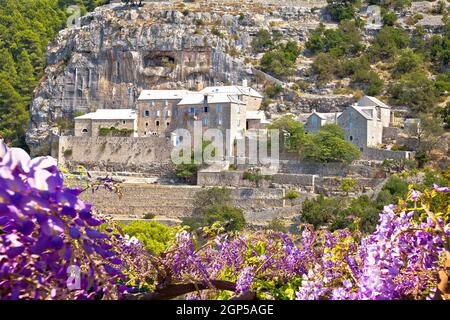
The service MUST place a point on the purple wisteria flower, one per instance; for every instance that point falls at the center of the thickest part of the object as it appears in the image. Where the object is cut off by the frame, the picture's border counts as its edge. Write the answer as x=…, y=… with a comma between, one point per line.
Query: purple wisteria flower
x=245, y=279
x=440, y=189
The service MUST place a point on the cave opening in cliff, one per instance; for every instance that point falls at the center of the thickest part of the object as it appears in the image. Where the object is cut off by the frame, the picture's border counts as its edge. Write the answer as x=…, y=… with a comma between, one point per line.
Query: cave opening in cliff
x=159, y=60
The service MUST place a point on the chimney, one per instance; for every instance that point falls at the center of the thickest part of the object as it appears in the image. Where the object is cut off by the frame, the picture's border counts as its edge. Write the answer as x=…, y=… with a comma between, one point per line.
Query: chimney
x=244, y=83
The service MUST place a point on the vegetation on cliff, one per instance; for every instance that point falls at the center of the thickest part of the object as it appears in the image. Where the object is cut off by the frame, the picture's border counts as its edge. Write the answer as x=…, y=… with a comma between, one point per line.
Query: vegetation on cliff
x=26, y=27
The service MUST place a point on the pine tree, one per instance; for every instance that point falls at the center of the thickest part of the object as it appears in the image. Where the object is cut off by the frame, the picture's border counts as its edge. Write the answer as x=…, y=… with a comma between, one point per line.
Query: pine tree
x=13, y=114
x=26, y=80
x=8, y=66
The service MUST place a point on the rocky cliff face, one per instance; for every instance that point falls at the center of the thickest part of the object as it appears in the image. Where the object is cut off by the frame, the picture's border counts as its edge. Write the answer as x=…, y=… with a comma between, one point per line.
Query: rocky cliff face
x=119, y=51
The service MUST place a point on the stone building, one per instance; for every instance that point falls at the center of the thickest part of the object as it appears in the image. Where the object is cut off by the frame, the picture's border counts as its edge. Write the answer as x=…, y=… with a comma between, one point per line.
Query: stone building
x=362, y=126
x=362, y=122
x=316, y=120
x=119, y=119
x=156, y=109
x=256, y=120
x=161, y=112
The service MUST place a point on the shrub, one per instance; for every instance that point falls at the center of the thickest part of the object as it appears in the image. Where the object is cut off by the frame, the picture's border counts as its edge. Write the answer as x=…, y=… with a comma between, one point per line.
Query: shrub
x=408, y=62
x=272, y=90
x=345, y=40
x=415, y=91
x=341, y=9
x=67, y=153
x=262, y=40
x=155, y=236
x=276, y=224
x=280, y=61
x=148, y=215
x=216, y=32
x=348, y=184
x=388, y=42
x=230, y=218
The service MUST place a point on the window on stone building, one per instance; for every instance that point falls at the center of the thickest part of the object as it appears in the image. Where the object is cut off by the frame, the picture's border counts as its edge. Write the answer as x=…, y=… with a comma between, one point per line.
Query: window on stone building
x=85, y=130
x=191, y=110
x=219, y=108
x=146, y=113
x=168, y=123
x=205, y=109
x=123, y=122
x=351, y=138
x=158, y=113
x=166, y=103
x=146, y=124
x=157, y=123
x=205, y=121
x=219, y=120
x=152, y=103
x=167, y=113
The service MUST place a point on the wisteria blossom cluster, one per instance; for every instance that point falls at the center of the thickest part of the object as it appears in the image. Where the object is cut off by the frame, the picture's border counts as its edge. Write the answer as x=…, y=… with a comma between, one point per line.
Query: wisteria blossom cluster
x=400, y=260
x=50, y=243
x=55, y=246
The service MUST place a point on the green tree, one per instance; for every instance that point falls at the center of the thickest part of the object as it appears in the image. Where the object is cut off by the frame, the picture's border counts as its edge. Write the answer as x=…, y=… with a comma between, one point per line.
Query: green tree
x=388, y=42
x=328, y=145
x=348, y=184
x=341, y=9
x=292, y=131
x=370, y=81
x=230, y=218
x=26, y=79
x=394, y=189
x=345, y=40
x=13, y=114
x=415, y=91
x=321, y=211
x=389, y=17
x=280, y=61
x=408, y=62
x=214, y=205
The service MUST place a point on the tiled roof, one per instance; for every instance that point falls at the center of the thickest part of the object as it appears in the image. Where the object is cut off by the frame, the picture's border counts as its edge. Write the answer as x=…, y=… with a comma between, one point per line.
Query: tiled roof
x=110, y=114
x=199, y=98
x=237, y=90
x=163, y=94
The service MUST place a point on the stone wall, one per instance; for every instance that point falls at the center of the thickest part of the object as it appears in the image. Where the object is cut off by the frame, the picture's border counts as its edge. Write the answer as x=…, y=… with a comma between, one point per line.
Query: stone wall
x=175, y=202
x=147, y=155
x=303, y=182
x=366, y=169
x=391, y=134
x=383, y=154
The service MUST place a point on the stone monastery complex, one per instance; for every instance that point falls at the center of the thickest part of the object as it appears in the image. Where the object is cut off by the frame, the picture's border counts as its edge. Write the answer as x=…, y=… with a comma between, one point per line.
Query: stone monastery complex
x=236, y=108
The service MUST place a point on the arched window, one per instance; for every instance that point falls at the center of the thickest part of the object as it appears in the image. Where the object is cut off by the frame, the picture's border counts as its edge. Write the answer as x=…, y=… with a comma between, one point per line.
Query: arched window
x=85, y=130
x=157, y=123
x=351, y=138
